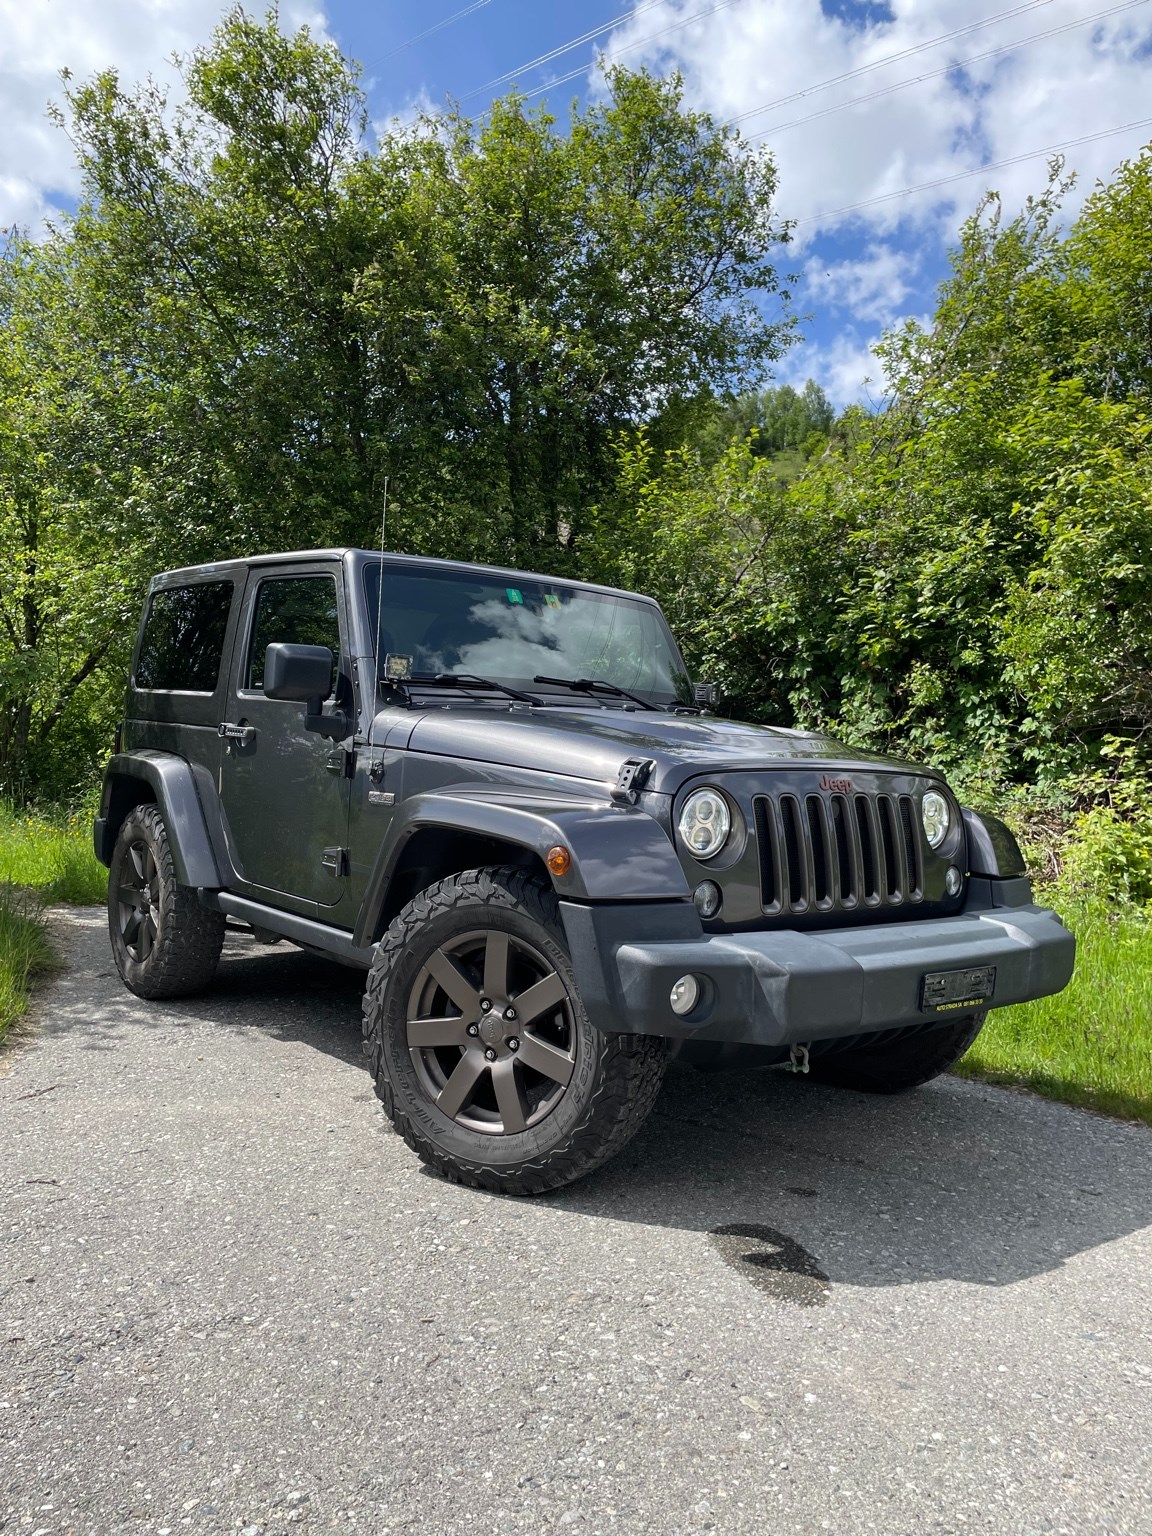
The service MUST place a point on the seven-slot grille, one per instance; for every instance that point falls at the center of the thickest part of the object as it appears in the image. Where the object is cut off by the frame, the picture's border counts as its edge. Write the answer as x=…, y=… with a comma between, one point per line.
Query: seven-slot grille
x=834, y=853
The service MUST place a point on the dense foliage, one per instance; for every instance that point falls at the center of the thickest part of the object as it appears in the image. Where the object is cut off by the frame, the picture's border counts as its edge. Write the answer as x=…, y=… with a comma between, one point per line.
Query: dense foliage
x=966, y=574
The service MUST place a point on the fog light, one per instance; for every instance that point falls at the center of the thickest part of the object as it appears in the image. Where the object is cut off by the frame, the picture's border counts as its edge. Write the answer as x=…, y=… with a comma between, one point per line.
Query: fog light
x=952, y=881
x=707, y=898
x=685, y=995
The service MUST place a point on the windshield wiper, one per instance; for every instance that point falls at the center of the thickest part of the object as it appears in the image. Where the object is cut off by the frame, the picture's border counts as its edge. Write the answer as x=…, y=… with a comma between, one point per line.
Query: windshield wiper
x=593, y=685
x=469, y=680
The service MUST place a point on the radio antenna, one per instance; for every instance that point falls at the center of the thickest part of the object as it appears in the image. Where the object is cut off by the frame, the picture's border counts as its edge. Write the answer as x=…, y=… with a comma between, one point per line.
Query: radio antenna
x=379, y=603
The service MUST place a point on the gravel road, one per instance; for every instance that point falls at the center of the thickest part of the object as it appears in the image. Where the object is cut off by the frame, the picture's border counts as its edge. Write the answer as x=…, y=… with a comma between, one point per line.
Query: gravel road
x=231, y=1300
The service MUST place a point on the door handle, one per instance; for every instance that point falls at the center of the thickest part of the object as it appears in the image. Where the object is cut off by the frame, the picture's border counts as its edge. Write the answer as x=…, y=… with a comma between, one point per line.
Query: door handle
x=242, y=735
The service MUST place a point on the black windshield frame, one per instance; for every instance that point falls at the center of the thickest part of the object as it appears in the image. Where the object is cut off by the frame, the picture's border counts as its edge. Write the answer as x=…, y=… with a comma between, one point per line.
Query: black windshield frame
x=509, y=626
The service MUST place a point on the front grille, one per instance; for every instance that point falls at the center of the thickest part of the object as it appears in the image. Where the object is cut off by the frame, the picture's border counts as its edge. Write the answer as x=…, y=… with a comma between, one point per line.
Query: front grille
x=838, y=852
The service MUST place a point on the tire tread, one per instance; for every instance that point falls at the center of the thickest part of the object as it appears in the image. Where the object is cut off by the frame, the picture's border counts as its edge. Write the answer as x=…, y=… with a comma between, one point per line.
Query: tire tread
x=184, y=958
x=631, y=1066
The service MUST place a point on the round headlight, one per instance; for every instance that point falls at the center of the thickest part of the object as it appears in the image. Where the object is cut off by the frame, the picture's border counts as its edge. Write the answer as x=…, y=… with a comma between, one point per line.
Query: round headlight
x=704, y=823
x=936, y=816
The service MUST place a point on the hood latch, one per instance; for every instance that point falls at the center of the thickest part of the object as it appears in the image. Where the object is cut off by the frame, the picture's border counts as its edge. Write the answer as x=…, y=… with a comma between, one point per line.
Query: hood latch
x=634, y=774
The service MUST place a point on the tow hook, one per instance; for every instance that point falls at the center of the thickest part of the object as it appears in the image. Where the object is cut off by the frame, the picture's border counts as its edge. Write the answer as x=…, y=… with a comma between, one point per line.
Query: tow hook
x=797, y=1059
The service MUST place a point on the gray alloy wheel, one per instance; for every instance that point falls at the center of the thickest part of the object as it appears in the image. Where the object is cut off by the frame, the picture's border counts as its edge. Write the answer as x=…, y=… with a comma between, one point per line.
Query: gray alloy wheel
x=494, y=1057
x=163, y=941
x=138, y=901
x=483, y=1055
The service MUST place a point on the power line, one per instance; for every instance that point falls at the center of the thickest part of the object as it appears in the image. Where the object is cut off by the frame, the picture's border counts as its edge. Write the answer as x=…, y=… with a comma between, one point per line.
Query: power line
x=891, y=58
x=546, y=58
x=900, y=85
x=1028, y=5
x=979, y=170
x=477, y=5
x=721, y=5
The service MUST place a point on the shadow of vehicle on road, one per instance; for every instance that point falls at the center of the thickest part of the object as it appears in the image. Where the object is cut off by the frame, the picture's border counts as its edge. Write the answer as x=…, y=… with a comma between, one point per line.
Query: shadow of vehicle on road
x=958, y=1181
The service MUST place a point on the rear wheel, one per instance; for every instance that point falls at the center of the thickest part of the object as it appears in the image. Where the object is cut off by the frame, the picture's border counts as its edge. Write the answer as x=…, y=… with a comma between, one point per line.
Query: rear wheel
x=483, y=1055
x=163, y=941
x=900, y=1064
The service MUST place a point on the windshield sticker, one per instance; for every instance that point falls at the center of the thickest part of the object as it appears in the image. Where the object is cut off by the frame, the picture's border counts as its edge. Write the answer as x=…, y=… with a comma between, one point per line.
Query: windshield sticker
x=514, y=595
x=551, y=600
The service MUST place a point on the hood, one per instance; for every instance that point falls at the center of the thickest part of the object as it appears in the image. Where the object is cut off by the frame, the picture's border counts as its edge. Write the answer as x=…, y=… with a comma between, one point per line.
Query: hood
x=591, y=744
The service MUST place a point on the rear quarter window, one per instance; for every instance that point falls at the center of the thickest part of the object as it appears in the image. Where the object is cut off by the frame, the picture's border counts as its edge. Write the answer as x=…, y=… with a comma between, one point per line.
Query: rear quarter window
x=183, y=640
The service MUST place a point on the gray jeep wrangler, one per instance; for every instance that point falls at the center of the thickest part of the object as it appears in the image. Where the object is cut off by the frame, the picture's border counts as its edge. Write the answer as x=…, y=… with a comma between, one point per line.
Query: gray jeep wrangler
x=498, y=794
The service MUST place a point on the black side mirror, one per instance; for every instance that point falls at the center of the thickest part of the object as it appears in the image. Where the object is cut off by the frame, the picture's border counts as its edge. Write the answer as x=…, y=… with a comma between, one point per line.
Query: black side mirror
x=303, y=673
x=298, y=672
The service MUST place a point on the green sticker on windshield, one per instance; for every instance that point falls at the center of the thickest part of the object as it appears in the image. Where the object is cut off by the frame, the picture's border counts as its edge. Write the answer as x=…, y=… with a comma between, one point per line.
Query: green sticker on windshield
x=551, y=600
x=514, y=595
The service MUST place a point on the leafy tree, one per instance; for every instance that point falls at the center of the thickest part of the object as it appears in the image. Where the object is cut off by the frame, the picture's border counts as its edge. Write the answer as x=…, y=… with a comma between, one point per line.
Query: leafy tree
x=779, y=423
x=473, y=311
x=576, y=285
x=70, y=567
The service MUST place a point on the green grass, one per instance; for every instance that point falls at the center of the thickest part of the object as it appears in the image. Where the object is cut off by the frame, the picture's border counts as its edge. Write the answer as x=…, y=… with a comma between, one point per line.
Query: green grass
x=1092, y=1043
x=24, y=952
x=51, y=857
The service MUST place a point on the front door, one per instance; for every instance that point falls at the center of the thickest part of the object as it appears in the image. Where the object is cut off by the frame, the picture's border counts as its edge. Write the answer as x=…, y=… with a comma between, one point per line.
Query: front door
x=285, y=790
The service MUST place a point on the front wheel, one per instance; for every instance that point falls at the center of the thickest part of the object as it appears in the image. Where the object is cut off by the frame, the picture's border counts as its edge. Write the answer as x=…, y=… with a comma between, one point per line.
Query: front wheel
x=483, y=1055
x=898, y=1065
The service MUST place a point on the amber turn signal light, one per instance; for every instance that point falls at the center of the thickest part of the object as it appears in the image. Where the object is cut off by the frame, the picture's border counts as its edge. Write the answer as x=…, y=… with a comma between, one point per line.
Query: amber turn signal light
x=558, y=860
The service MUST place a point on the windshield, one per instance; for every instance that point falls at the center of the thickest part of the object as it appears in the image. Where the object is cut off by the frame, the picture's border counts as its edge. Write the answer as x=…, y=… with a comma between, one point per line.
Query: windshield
x=511, y=628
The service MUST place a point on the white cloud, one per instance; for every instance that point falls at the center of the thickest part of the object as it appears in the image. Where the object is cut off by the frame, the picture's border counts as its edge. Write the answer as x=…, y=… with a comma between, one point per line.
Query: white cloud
x=871, y=287
x=767, y=64
x=413, y=111
x=846, y=368
x=754, y=53
x=42, y=37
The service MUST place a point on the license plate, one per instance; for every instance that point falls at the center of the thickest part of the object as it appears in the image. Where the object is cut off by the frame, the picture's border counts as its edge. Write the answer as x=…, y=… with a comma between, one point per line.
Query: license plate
x=951, y=991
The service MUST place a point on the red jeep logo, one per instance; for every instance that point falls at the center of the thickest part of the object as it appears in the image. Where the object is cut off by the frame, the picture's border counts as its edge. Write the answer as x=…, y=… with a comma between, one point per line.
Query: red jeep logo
x=836, y=786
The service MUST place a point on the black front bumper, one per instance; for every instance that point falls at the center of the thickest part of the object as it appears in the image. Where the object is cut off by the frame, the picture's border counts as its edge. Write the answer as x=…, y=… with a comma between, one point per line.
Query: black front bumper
x=786, y=986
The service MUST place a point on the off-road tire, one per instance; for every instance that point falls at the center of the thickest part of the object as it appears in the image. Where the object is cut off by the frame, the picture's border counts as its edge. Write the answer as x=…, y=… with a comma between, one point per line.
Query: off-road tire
x=900, y=1064
x=181, y=959
x=614, y=1079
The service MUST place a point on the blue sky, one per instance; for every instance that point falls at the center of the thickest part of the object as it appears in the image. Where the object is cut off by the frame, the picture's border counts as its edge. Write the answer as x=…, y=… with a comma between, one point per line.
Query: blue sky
x=858, y=100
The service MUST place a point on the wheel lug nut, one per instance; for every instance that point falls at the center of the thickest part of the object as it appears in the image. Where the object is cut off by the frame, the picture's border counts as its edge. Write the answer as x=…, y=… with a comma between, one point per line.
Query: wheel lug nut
x=473, y=1029
x=489, y=1054
x=485, y=1005
x=510, y=1014
x=513, y=1044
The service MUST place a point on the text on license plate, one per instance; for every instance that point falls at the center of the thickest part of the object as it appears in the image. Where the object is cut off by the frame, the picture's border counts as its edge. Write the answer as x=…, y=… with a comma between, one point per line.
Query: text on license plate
x=946, y=991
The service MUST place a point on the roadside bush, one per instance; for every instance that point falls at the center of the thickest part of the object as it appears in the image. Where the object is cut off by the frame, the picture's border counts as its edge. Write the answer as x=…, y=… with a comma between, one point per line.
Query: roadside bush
x=51, y=855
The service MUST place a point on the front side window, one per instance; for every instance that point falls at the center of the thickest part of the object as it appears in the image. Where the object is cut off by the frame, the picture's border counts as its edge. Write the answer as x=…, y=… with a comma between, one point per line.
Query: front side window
x=292, y=610
x=183, y=640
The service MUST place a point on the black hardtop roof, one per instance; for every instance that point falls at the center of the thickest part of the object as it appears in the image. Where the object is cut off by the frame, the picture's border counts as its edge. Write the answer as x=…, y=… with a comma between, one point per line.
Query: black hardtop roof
x=228, y=568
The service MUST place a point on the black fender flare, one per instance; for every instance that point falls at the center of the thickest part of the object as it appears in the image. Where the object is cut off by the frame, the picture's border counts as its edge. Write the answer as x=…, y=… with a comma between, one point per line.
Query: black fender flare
x=992, y=847
x=174, y=788
x=618, y=852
